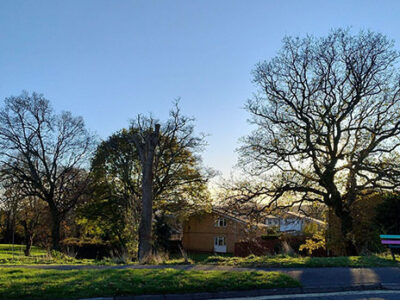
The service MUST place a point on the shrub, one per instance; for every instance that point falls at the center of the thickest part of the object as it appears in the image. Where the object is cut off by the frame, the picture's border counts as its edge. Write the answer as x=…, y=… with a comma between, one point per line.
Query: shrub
x=387, y=214
x=93, y=249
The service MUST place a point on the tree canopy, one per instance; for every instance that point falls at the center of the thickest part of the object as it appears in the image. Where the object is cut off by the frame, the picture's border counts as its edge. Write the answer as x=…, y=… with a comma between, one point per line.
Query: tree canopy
x=45, y=154
x=179, y=179
x=327, y=124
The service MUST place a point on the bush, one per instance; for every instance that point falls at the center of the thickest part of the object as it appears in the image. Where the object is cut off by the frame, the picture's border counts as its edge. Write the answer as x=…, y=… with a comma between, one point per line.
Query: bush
x=271, y=236
x=316, y=239
x=92, y=249
x=387, y=214
x=216, y=259
x=366, y=228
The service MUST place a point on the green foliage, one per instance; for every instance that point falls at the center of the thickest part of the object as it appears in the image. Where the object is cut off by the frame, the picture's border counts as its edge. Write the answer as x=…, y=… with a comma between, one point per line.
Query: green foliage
x=178, y=261
x=272, y=234
x=113, y=213
x=55, y=284
x=388, y=214
x=366, y=226
x=316, y=242
x=201, y=257
x=162, y=231
x=317, y=239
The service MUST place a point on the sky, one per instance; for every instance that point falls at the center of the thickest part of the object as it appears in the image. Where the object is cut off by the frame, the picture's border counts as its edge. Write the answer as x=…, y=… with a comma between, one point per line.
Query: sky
x=108, y=61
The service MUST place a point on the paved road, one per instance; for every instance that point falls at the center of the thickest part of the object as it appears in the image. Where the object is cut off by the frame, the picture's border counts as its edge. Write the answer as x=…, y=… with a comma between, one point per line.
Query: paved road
x=359, y=295
x=309, y=277
x=339, y=277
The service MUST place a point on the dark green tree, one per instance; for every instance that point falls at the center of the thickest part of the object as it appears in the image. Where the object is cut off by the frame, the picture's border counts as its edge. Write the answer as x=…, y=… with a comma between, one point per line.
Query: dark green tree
x=162, y=231
x=179, y=181
x=113, y=212
x=388, y=214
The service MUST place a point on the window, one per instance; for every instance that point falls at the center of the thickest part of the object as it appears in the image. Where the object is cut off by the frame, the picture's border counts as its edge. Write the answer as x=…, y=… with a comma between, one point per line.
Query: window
x=272, y=222
x=219, y=241
x=220, y=222
x=289, y=221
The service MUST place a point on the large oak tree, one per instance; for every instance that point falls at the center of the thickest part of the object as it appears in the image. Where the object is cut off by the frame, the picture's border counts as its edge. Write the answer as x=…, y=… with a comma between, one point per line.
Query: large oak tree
x=45, y=154
x=327, y=118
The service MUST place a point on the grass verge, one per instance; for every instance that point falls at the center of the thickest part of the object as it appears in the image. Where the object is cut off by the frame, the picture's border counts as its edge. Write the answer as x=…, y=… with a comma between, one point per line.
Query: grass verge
x=21, y=283
x=285, y=261
x=14, y=255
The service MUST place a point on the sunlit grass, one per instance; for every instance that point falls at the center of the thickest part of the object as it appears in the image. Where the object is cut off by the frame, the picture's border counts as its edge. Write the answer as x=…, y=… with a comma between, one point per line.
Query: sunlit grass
x=17, y=251
x=286, y=261
x=19, y=283
x=14, y=255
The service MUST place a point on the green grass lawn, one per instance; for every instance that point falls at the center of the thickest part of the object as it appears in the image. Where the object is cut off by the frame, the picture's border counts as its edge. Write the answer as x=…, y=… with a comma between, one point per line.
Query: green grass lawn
x=14, y=255
x=20, y=283
x=8, y=251
x=39, y=256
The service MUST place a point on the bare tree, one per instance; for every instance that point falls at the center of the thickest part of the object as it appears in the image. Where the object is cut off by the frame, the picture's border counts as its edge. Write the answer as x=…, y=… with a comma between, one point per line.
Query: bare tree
x=169, y=166
x=327, y=124
x=45, y=154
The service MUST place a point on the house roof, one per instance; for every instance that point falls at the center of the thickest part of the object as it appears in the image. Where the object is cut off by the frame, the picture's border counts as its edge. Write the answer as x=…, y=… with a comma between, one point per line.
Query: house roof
x=301, y=216
x=271, y=217
x=230, y=216
x=225, y=213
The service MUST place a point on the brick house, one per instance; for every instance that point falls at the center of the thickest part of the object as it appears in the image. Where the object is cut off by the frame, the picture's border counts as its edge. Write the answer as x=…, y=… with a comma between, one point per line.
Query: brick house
x=217, y=231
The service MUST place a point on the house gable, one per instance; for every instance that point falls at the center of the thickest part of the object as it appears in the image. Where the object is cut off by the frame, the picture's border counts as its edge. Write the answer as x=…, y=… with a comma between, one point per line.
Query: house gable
x=202, y=232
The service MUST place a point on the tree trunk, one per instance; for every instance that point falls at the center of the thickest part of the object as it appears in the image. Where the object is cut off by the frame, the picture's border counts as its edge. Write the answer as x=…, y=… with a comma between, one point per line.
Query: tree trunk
x=346, y=230
x=28, y=245
x=346, y=224
x=55, y=228
x=147, y=151
x=28, y=239
x=55, y=234
x=146, y=220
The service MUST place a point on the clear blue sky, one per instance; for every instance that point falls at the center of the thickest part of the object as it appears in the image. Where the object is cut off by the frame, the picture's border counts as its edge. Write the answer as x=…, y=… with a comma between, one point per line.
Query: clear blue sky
x=110, y=60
